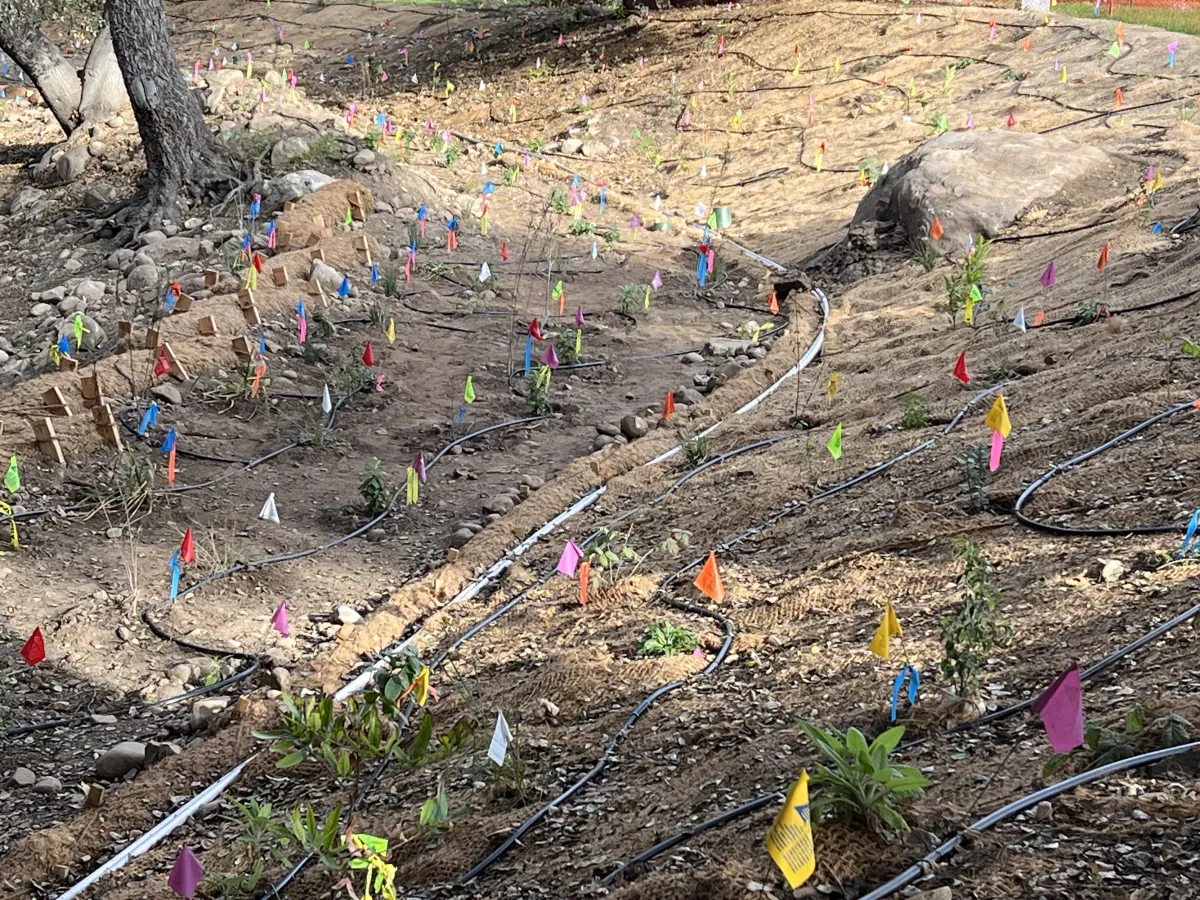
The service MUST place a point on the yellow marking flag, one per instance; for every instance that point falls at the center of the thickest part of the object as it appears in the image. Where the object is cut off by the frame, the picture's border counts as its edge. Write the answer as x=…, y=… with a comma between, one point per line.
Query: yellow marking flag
x=888, y=628
x=997, y=418
x=790, y=840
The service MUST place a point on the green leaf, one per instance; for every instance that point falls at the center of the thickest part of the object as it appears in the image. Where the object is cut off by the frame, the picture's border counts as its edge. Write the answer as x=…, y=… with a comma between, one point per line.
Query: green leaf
x=292, y=759
x=1053, y=764
x=1175, y=730
x=1135, y=720
x=393, y=689
x=889, y=740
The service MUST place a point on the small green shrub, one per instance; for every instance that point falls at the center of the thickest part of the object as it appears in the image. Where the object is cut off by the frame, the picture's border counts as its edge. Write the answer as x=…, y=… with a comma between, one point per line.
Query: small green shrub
x=971, y=274
x=697, y=449
x=564, y=346
x=914, y=411
x=974, y=464
x=374, y=488
x=628, y=297
x=435, y=815
x=970, y=632
x=560, y=202
x=925, y=256
x=862, y=783
x=537, y=393
x=666, y=640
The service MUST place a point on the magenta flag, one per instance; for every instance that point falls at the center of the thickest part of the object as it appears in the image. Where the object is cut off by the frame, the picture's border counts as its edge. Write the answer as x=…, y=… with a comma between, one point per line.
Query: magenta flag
x=185, y=874
x=569, y=560
x=279, y=621
x=1061, y=709
x=550, y=357
x=1048, y=276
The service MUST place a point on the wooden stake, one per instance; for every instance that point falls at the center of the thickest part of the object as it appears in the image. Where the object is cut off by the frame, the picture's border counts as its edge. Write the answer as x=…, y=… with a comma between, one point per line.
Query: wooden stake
x=241, y=347
x=89, y=386
x=183, y=303
x=106, y=426
x=66, y=364
x=47, y=440
x=55, y=403
x=153, y=338
x=208, y=325
x=280, y=276
x=211, y=278
x=178, y=371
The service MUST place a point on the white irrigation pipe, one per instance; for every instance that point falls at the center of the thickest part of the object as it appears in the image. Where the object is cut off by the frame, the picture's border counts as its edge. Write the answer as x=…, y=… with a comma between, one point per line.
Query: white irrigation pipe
x=160, y=831
x=164, y=828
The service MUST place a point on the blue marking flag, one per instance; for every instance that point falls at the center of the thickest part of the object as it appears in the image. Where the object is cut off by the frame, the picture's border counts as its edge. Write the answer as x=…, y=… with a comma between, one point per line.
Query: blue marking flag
x=262, y=343
x=149, y=420
x=462, y=411
x=374, y=273
x=1190, y=535
x=344, y=287
x=910, y=674
x=168, y=443
x=499, y=148
x=175, y=575
x=488, y=188
x=528, y=353
x=64, y=346
x=603, y=200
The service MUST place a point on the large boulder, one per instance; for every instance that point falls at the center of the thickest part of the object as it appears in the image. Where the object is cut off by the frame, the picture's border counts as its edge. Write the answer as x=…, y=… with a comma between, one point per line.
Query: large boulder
x=294, y=185
x=978, y=182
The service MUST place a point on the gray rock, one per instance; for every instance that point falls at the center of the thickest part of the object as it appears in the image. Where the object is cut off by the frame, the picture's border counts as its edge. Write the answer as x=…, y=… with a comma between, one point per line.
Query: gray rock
x=71, y=305
x=40, y=309
x=223, y=77
x=1043, y=812
x=93, y=334
x=168, y=393
x=174, y=248
x=119, y=260
x=26, y=200
x=634, y=427
x=571, y=146
x=159, y=750
x=54, y=294
x=114, y=533
x=119, y=761
x=967, y=179
x=22, y=777
x=939, y=893
x=608, y=428
x=295, y=185
x=602, y=441
x=97, y=149
x=205, y=710
x=364, y=158
x=498, y=505
x=151, y=237
x=3, y=357
x=533, y=482
x=48, y=784
x=726, y=371
x=181, y=672
x=594, y=149
x=692, y=359
x=758, y=352
x=727, y=346
x=72, y=265
x=103, y=719
x=280, y=678
x=460, y=537
x=288, y=149
x=328, y=277
x=687, y=396
x=90, y=291
x=99, y=196
x=143, y=277
x=72, y=163
x=348, y=615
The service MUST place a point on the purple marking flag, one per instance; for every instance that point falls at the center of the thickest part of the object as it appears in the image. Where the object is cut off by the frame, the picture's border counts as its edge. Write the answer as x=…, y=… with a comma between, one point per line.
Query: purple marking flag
x=419, y=465
x=185, y=874
x=550, y=357
x=1048, y=278
x=579, y=317
x=1061, y=709
x=279, y=621
x=656, y=281
x=569, y=561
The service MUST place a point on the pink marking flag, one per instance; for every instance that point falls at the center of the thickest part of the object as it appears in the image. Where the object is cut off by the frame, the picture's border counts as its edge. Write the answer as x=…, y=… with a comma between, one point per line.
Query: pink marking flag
x=185, y=874
x=1061, y=709
x=569, y=561
x=550, y=357
x=419, y=465
x=279, y=621
x=656, y=281
x=1048, y=277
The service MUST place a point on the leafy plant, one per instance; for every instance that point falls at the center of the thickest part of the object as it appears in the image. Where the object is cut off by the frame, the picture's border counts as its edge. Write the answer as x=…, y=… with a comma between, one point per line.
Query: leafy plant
x=609, y=554
x=667, y=640
x=967, y=281
x=391, y=280
x=869, y=171
x=974, y=464
x=435, y=813
x=924, y=255
x=581, y=227
x=342, y=739
x=323, y=839
x=564, y=346
x=1140, y=732
x=560, y=202
x=939, y=122
x=915, y=411
x=628, y=297
x=970, y=632
x=374, y=488
x=697, y=449
x=510, y=176
x=862, y=782
x=537, y=393
x=1092, y=312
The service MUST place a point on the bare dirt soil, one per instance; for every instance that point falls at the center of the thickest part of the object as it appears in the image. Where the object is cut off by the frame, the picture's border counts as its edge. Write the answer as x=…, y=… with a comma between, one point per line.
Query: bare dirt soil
x=677, y=112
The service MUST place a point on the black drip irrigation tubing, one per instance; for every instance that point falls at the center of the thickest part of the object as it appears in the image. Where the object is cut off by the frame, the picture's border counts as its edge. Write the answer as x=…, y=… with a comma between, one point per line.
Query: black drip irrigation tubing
x=1102, y=665
x=640, y=710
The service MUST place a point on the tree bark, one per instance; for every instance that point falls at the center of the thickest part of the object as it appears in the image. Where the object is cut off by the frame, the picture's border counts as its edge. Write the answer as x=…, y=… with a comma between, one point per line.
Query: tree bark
x=54, y=77
x=103, y=89
x=179, y=147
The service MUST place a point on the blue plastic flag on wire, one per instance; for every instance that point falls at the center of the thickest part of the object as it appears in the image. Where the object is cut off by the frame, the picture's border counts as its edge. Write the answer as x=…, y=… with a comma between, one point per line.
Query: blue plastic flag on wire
x=344, y=287
x=246, y=241
x=1189, y=537
x=374, y=273
x=499, y=148
x=913, y=677
x=702, y=270
x=149, y=420
x=380, y=121
x=575, y=182
x=64, y=345
x=488, y=188
x=462, y=411
x=262, y=343
x=255, y=208
x=603, y=200
x=168, y=443
x=175, y=575
x=528, y=354
x=170, y=300
x=1157, y=229
x=422, y=213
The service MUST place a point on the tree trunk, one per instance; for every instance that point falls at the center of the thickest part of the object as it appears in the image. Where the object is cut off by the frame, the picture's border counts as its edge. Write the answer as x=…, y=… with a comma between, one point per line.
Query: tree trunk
x=54, y=77
x=179, y=147
x=103, y=90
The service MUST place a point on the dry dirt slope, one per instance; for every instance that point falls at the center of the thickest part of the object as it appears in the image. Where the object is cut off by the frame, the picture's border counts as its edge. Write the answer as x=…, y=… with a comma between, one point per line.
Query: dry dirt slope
x=805, y=594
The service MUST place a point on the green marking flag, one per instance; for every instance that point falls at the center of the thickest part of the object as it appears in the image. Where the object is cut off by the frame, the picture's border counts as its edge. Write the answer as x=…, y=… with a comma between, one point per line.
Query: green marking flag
x=12, y=479
x=469, y=393
x=1115, y=50
x=835, y=442
x=349, y=218
x=79, y=330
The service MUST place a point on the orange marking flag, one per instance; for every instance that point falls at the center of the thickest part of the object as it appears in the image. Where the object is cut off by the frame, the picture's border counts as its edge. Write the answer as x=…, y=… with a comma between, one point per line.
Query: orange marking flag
x=709, y=580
